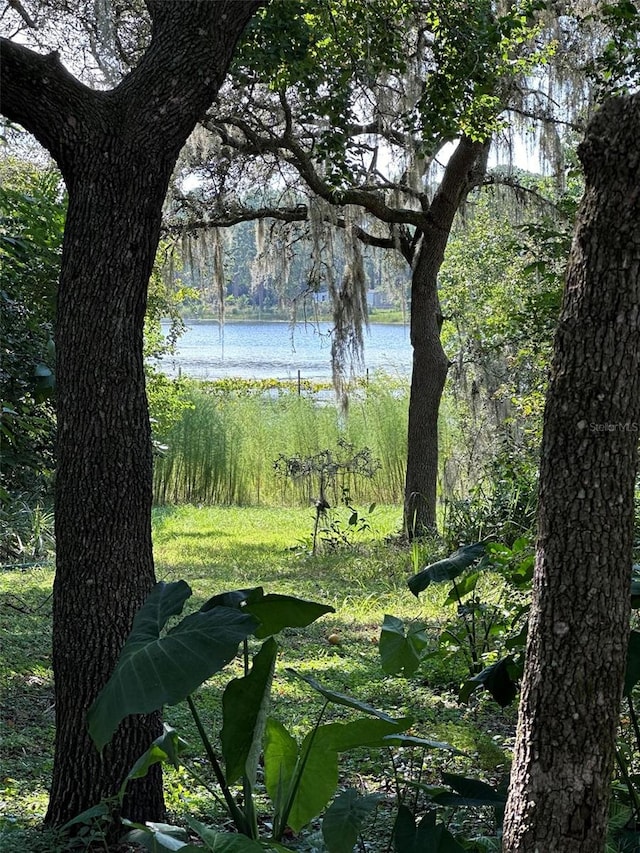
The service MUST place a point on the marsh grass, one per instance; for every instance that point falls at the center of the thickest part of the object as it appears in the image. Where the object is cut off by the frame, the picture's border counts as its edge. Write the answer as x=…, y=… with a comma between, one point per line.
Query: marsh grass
x=222, y=548
x=223, y=448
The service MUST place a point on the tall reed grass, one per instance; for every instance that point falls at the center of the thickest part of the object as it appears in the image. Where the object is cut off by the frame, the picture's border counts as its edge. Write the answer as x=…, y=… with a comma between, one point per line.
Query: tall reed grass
x=223, y=448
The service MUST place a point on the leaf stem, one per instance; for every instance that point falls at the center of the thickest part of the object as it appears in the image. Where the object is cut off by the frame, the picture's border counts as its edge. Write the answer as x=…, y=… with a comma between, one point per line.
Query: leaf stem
x=281, y=825
x=237, y=814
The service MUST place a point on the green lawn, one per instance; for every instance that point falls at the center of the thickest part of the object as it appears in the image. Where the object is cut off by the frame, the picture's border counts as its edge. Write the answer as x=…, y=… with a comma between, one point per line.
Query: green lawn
x=216, y=549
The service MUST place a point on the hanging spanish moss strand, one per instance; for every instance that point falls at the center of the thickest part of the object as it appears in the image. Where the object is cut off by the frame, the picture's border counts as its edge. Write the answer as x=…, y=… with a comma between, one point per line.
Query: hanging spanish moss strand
x=349, y=312
x=218, y=272
x=189, y=261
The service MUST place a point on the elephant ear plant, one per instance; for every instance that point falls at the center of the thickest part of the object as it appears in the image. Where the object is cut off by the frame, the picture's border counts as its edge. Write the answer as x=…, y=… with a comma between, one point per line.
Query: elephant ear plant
x=158, y=667
x=487, y=633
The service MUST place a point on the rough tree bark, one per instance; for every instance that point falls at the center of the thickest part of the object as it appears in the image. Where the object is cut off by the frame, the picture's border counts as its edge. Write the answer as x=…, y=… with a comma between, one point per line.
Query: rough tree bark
x=464, y=170
x=116, y=150
x=579, y=622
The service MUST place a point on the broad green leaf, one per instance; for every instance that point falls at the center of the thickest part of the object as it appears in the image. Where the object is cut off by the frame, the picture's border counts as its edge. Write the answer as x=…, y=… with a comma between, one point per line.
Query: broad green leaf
x=364, y=731
x=466, y=585
x=520, y=639
x=166, y=748
x=342, y=698
x=344, y=818
x=280, y=760
x=99, y=810
x=164, y=600
x=632, y=674
x=224, y=842
x=244, y=713
x=158, y=841
x=498, y=679
x=521, y=543
x=439, y=837
x=469, y=792
x=404, y=831
x=425, y=743
x=522, y=575
x=276, y=612
x=316, y=785
x=153, y=671
x=235, y=598
x=448, y=569
x=319, y=776
x=400, y=651
x=427, y=837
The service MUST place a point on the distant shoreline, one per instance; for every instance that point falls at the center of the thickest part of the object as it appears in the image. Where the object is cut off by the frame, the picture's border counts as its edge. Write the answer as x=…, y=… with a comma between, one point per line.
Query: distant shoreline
x=387, y=321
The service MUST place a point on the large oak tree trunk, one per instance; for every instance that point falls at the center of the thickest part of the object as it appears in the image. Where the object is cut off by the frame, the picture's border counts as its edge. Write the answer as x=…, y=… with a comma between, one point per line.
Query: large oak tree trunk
x=116, y=151
x=104, y=564
x=579, y=622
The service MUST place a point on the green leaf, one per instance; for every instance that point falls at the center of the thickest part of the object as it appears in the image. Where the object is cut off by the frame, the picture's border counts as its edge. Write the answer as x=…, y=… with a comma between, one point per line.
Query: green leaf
x=244, y=714
x=153, y=671
x=522, y=575
x=235, y=598
x=280, y=760
x=159, y=841
x=342, y=698
x=87, y=816
x=400, y=651
x=425, y=743
x=276, y=612
x=498, y=679
x=316, y=784
x=427, y=837
x=464, y=587
x=404, y=831
x=344, y=818
x=319, y=776
x=519, y=641
x=166, y=748
x=448, y=569
x=224, y=842
x=469, y=792
x=632, y=674
x=363, y=731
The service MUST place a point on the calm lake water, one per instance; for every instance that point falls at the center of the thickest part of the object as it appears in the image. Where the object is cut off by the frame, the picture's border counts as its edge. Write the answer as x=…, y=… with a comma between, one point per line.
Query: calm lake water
x=274, y=350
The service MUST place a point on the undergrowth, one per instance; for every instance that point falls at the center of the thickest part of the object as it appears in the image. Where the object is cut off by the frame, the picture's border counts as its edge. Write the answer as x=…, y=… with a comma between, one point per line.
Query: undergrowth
x=222, y=548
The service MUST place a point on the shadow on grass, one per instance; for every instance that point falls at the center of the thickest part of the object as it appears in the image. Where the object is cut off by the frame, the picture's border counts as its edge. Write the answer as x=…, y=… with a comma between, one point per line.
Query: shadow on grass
x=216, y=551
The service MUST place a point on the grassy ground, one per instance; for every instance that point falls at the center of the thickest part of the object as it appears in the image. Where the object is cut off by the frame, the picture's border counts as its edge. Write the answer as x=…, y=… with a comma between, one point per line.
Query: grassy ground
x=223, y=548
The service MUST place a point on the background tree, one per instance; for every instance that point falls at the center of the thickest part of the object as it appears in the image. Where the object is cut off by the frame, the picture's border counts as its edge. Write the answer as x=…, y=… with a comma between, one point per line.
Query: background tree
x=31, y=229
x=501, y=287
x=387, y=151
x=578, y=628
x=116, y=150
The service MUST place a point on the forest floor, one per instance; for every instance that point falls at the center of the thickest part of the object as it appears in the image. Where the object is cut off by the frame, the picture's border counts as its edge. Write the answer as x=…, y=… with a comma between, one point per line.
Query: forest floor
x=362, y=575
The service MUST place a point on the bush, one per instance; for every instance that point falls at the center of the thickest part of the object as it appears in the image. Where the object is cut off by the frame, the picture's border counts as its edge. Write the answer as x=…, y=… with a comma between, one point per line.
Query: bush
x=32, y=211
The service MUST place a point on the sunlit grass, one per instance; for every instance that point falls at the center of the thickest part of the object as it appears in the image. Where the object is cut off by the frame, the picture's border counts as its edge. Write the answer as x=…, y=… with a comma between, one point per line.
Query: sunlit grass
x=219, y=548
